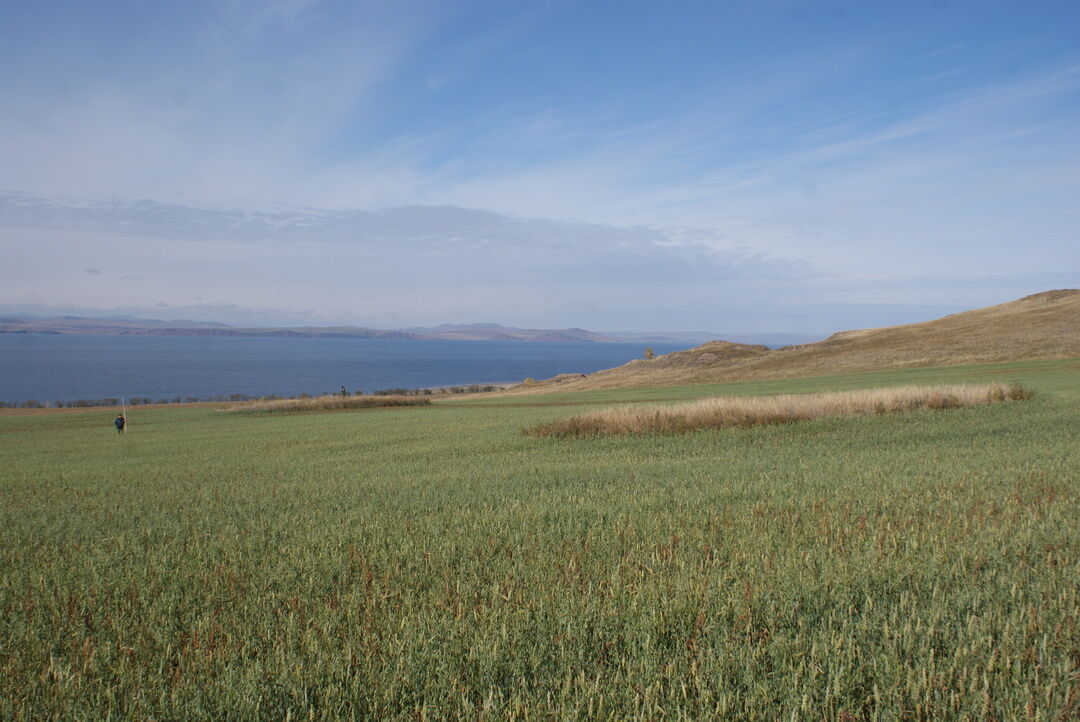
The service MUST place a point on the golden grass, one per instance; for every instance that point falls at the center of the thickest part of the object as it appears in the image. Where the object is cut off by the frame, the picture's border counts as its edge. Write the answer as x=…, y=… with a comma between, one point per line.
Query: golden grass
x=757, y=410
x=330, y=402
x=1042, y=326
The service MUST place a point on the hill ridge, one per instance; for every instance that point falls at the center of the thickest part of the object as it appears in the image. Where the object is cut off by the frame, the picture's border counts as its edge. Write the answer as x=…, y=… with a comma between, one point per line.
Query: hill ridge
x=1043, y=325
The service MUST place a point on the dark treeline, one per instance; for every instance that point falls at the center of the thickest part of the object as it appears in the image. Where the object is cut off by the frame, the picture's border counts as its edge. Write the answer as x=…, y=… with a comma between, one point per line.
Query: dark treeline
x=475, y=389
x=133, y=401
x=143, y=400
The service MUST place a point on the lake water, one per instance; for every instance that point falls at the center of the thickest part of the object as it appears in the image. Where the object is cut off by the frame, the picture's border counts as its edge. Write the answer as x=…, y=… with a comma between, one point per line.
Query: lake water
x=51, y=368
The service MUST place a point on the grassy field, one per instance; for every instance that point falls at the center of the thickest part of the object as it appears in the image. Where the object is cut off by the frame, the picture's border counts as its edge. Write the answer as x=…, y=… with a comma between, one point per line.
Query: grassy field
x=426, y=563
x=1041, y=326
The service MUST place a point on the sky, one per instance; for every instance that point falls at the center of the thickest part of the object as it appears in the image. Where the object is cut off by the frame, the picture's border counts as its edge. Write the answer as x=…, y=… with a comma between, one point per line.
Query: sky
x=740, y=167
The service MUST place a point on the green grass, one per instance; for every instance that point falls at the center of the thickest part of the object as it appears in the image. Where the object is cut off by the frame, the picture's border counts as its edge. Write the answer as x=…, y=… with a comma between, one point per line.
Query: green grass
x=1057, y=376
x=433, y=563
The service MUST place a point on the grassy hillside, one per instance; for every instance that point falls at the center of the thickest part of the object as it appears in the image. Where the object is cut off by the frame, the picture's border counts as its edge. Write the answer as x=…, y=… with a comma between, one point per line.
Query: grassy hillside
x=1043, y=326
x=424, y=563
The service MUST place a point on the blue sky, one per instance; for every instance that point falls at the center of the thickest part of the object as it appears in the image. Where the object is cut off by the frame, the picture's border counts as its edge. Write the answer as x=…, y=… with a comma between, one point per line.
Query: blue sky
x=734, y=167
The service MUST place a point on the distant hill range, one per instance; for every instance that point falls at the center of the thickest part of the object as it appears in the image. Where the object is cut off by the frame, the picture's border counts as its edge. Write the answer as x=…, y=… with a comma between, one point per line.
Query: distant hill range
x=150, y=327
x=464, y=332
x=1042, y=326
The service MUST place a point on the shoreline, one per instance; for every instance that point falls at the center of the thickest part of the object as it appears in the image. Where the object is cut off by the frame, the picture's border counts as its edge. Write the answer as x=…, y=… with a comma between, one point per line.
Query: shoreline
x=35, y=406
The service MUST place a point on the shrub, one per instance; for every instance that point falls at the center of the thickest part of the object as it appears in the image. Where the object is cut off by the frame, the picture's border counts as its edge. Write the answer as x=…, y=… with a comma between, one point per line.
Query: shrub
x=751, y=411
x=1017, y=392
x=328, y=402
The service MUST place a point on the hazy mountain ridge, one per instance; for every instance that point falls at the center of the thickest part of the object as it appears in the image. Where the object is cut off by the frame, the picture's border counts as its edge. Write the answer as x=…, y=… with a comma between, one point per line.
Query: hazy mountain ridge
x=458, y=332
x=154, y=327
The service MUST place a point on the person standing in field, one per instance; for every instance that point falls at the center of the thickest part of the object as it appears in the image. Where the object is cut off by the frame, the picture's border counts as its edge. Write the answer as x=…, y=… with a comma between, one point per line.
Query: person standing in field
x=120, y=422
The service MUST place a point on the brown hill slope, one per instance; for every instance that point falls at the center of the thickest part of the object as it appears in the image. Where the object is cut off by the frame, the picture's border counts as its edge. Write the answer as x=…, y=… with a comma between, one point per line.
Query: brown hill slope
x=1045, y=325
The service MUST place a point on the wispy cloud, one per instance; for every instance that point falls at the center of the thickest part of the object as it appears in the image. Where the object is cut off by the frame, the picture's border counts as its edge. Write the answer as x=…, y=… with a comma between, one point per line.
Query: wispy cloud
x=239, y=101
x=412, y=262
x=430, y=162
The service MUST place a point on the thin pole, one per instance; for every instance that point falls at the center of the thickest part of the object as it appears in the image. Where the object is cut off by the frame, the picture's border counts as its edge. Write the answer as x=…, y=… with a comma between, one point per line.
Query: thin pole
x=123, y=412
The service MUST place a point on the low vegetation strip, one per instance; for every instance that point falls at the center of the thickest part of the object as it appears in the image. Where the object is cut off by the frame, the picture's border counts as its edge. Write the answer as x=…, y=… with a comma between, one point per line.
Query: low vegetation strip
x=330, y=402
x=719, y=413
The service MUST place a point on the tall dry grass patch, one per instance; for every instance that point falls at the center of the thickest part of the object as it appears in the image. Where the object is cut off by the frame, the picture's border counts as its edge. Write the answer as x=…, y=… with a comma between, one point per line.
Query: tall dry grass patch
x=330, y=402
x=756, y=410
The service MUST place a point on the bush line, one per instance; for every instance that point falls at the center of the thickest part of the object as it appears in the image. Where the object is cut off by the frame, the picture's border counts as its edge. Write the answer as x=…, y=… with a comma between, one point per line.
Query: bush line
x=329, y=402
x=145, y=400
x=717, y=413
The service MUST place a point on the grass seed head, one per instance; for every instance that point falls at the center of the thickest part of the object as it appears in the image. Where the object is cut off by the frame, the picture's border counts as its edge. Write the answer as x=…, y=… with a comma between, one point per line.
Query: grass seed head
x=718, y=413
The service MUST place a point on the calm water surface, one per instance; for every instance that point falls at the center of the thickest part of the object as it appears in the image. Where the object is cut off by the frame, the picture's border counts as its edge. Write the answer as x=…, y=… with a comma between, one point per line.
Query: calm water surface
x=53, y=368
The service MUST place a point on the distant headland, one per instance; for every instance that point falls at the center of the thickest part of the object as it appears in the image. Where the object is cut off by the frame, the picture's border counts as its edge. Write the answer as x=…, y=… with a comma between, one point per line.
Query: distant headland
x=447, y=332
